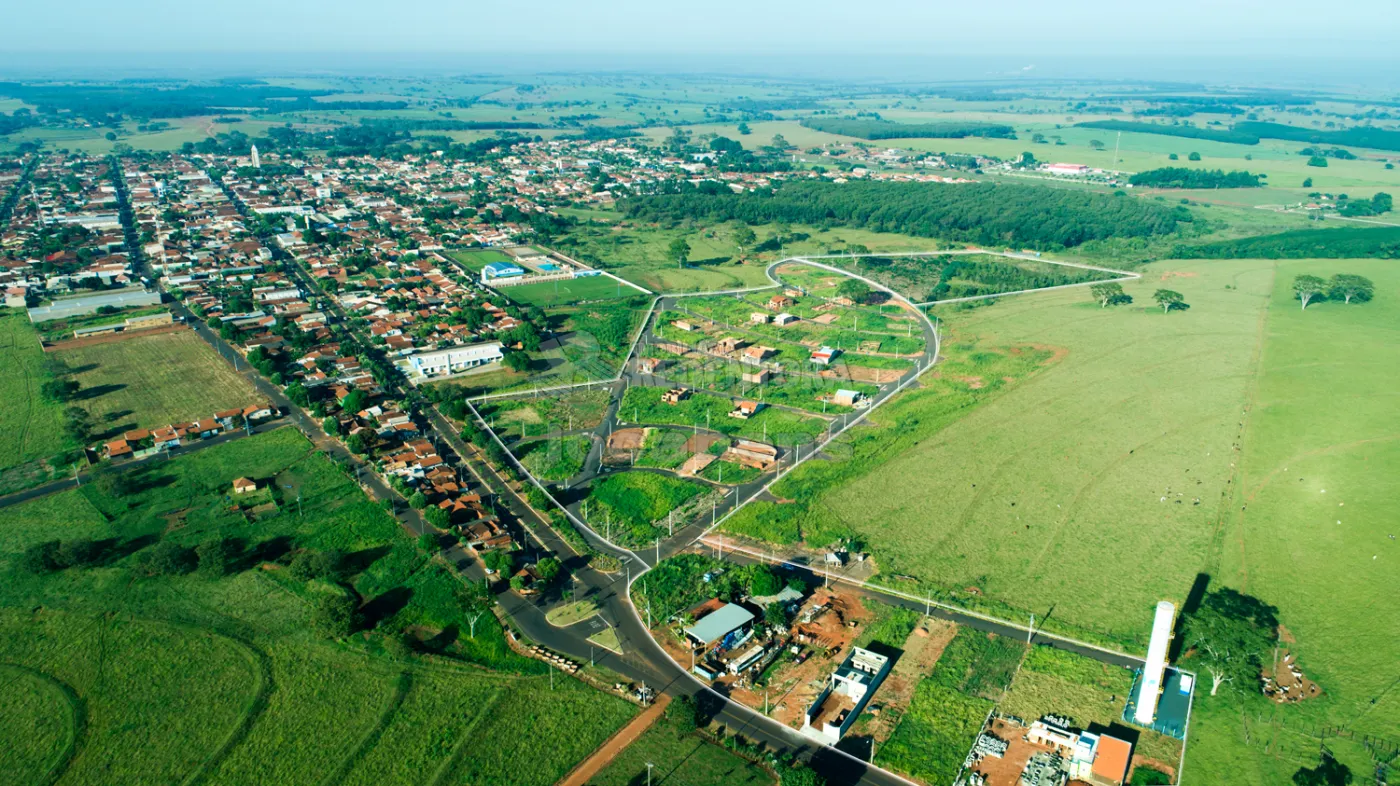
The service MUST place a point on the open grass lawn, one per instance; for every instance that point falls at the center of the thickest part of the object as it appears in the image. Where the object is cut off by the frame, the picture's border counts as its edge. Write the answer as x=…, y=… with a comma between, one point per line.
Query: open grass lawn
x=681, y=759
x=569, y=410
x=31, y=427
x=222, y=680
x=559, y=293
x=151, y=381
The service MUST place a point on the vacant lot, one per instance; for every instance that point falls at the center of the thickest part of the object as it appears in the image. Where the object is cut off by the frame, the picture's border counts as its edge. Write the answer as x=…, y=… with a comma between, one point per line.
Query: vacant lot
x=31, y=427
x=154, y=380
x=680, y=759
x=208, y=677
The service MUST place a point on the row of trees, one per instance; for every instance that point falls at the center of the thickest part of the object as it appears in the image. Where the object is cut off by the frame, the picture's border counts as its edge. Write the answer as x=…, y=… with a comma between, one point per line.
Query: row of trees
x=989, y=213
x=884, y=129
x=1345, y=287
x=1348, y=243
x=1110, y=293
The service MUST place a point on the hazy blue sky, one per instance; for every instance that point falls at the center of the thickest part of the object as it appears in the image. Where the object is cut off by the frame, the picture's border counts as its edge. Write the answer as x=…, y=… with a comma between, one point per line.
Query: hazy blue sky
x=1292, y=34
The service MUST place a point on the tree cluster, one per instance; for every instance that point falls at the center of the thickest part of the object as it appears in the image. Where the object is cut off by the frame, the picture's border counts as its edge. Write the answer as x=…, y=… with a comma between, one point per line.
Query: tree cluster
x=989, y=213
x=1183, y=177
x=1345, y=287
x=1348, y=243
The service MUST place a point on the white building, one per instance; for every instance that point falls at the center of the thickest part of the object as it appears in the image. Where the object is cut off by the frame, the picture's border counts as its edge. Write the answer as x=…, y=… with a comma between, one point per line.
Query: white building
x=850, y=688
x=1156, y=665
x=455, y=359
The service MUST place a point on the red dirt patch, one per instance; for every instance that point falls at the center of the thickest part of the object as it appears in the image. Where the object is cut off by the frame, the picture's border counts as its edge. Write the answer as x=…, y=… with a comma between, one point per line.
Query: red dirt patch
x=1167, y=276
x=975, y=383
x=627, y=439
x=1285, y=683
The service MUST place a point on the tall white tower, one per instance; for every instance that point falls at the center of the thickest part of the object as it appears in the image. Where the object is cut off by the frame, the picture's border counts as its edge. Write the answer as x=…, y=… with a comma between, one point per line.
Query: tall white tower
x=1156, y=665
x=257, y=161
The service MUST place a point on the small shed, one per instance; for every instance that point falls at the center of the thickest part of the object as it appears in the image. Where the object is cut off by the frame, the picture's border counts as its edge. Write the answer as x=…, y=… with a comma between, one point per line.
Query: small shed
x=244, y=485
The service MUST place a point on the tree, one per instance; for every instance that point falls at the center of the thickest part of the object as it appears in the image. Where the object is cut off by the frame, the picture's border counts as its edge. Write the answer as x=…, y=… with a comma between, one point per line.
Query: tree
x=517, y=583
x=60, y=390
x=361, y=442
x=800, y=775
x=80, y=553
x=1096, y=144
x=1170, y=300
x=764, y=582
x=355, y=401
x=499, y=561
x=77, y=425
x=1231, y=634
x=857, y=291
x=1328, y=772
x=549, y=569
x=680, y=250
x=216, y=556
x=167, y=558
x=428, y=542
x=1173, y=157
x=335, y=615
x=1194, y=157
x=775, y=615
x=418, y=500
x=685, y=713
x=1345, y=287
x=1307, y=182
x=1381, y=202
x=744, y=237
x=438, y=517
x=41, y=558
x=1308, y=288
x=744, y=129
x=518, y=362
x=330, y=425
x=1317, y=161
x=1109, y=293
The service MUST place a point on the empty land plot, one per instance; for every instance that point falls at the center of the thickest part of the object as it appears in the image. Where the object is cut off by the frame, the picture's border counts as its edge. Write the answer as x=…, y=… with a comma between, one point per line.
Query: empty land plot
x=1130, y=436
x=155, y=380
x=680, y=759
x=31, y=426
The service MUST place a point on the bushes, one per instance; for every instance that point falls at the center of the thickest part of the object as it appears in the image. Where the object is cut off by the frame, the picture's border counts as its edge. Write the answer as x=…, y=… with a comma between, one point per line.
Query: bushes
x=335, y=615
x=167, y=558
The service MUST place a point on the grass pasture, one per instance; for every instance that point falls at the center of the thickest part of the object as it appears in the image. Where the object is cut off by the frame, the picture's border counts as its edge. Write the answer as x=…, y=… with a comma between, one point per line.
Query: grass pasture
x=1136, y=423
x=207, y=679
x=150, y=381
x=31, y=427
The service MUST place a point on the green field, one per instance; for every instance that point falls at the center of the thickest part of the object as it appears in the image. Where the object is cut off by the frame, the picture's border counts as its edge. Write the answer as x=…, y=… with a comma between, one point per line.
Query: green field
x=680, y=759
x=1129, y=436
x=1322, y=418
x=207, y=678
x=31, y=427
x=554, y=460
x=150, y=381
x=562, y=293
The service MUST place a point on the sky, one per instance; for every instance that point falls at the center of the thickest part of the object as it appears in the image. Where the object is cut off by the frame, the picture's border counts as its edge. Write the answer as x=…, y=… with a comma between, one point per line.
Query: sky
x=1048, y=36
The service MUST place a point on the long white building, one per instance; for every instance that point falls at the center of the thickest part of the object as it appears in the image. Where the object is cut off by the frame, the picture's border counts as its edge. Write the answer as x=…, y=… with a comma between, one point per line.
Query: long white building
x=455, y=359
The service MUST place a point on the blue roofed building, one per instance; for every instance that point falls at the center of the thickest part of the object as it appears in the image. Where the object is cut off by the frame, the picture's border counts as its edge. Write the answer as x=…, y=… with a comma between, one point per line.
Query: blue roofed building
x=500, y=270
